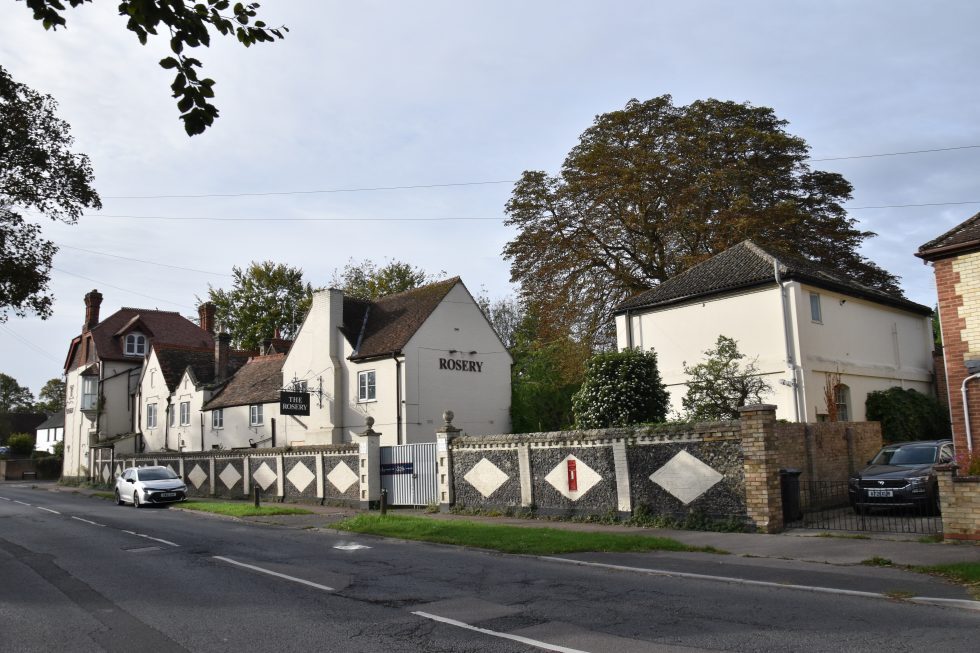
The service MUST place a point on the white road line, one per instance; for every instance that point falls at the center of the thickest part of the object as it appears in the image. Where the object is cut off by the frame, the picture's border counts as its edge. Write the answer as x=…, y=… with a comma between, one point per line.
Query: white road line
x=5, y=498
x=924, y=600
x=21, y=503
x=155, y=539
x=274, y=573
x=48, y=510
x=493, y=633
x=87, y=521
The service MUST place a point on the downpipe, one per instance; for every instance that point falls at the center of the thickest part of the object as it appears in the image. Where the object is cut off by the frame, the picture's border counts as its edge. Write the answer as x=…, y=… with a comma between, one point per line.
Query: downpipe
x=966, y=412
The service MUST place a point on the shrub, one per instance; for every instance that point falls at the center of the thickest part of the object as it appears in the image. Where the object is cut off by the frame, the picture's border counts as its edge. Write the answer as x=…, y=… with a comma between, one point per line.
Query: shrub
x=969, y=464
x=907, y=415
x=620, y=388
x=49, y=467
x=21, y=444
x=719, y=385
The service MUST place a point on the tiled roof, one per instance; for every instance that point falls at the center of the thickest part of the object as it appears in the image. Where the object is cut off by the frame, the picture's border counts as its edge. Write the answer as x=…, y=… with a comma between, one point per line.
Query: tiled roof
x=165, y=328
x=746, y=265
x=963, y=237
x=257, y=382
x=392, y=320
x=174, y=360
x=56, y=421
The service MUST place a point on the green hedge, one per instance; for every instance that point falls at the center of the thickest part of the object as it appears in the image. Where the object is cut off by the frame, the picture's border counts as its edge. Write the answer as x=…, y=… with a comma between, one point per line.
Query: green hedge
x=621, y=389
x=907, y=415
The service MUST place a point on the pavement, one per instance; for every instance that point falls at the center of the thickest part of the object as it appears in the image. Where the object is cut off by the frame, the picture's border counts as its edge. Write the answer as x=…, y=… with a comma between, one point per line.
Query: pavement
x=829, y=547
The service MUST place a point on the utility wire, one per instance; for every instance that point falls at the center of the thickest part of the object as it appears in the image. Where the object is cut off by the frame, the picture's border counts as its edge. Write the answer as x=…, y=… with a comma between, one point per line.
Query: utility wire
x=103, y=283
x=139, y=260
x=30, y=344
x=474, y=183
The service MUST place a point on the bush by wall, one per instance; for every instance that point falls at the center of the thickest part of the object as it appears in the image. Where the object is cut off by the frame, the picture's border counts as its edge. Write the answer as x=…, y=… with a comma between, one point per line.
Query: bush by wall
x=620, y=389
x=21, y=445
x=907, y=415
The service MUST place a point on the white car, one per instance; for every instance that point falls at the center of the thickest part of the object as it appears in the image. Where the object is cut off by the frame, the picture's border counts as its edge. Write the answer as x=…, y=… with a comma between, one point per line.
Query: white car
x=148, y=485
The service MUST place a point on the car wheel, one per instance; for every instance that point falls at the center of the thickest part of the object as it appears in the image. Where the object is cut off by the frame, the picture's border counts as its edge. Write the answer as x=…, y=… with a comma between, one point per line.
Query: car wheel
x=136, y=499
x=119, y=500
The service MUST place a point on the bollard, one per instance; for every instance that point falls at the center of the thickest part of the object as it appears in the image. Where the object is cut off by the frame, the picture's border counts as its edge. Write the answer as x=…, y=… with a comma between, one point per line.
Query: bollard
x=256, y=496
x=384, y=502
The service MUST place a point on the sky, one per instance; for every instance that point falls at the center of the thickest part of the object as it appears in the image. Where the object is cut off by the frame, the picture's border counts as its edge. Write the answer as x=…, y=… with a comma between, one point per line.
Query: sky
x=458, y=99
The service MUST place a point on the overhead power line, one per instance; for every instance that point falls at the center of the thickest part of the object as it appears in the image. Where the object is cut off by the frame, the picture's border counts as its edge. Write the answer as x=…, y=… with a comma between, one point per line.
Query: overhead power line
x=30, y=344
x=103, y=283
x=139, y=260
x=473, y=183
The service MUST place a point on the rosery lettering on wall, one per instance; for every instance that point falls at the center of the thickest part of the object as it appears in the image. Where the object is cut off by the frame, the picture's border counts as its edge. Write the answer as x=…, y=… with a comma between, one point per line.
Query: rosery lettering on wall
x=459, y=365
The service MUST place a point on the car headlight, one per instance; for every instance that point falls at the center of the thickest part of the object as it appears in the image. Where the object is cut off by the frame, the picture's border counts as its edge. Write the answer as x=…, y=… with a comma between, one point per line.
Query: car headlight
x=853, y=481
x=919, y=483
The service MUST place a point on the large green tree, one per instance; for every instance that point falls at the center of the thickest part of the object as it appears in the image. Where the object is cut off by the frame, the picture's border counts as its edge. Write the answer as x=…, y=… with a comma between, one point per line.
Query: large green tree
x=266, y=299
x=51, y=397
x=365, y=280
x=14, y=397
x=184, y=25
x=39, y=172
x=654, y=188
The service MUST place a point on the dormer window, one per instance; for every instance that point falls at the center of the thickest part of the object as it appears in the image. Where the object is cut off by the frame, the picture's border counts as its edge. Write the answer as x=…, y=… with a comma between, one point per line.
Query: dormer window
x=135, y=344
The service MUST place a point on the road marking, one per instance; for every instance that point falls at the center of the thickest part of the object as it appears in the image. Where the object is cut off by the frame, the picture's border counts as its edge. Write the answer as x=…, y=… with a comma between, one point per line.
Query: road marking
x=156, y=539
x=275, y=573
x=5, y=498
x=21, y=503
x=87, y=521
x=924, y=600
x=493, y=633
x=351, y=546
x=48, y=510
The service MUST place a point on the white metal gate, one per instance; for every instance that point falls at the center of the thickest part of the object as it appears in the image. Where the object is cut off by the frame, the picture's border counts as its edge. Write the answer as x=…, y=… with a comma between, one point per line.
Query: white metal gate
x=408, y=473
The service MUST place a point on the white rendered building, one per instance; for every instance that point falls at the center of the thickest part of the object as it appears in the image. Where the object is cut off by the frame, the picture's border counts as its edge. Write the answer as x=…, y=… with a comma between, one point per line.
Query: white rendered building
x=798, y=322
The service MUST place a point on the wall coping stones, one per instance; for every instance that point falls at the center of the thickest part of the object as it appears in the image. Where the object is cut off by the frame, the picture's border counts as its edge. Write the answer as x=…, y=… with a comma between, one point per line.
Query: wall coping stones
x=727, y=429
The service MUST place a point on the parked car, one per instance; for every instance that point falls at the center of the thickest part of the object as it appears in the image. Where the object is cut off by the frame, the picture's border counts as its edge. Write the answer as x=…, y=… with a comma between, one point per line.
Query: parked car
x=901, y=475
x=149, y=485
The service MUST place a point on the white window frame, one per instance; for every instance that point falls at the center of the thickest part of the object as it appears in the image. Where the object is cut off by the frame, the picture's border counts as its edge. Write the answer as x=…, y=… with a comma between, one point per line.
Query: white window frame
x=367, y=386
x=90, y=392
x=135, y=344
x=842, y=398
x=173, y=416
x=816, y=311
x=185, y=413
x=255, y=415
x=151, y=416
x=218, y=418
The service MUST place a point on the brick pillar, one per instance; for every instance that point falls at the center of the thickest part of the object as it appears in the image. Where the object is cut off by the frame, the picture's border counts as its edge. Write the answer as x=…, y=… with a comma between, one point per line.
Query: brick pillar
x=955, y=303
x=444, y=460
x=763, y=499
x=369, y=466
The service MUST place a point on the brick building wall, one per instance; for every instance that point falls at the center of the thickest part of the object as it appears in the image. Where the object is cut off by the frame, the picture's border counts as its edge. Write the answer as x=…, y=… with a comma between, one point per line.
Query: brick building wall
x=827, y=451
x=958, y=287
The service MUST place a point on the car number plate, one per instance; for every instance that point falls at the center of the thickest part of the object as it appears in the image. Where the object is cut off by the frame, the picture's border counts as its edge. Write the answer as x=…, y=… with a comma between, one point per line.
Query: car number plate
x=879, y=493
x=168, y=494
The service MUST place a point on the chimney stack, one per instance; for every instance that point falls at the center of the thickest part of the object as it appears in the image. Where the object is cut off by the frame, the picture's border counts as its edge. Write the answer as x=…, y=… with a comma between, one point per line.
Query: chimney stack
x=206, y=314
x=93, y=301
x=222, y=352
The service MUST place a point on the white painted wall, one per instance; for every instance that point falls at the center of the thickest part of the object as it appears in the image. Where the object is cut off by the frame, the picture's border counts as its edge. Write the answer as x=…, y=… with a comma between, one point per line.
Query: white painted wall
x=47, y=438
x=237, y=431
x=874, y=346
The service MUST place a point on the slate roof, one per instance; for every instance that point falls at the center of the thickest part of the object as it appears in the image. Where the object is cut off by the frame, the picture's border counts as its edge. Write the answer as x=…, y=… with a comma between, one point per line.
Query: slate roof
x=962, y=238
x=56, y=421
x=258, y=381
x=748, y=265
x=391, y=321
x=160, y=327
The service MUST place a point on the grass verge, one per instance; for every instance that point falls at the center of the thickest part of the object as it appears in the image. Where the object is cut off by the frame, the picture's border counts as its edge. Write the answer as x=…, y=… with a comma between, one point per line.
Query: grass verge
x=508, y=539
x=104, y=495
x=964, y=573
x=241, y=509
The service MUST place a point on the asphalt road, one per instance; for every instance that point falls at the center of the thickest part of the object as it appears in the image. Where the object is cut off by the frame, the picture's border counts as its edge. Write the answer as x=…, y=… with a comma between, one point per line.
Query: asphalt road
x=82, y=574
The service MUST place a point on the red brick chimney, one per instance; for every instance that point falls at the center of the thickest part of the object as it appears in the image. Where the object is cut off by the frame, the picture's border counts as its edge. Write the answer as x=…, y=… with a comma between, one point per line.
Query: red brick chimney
x=206, y=314
x=222, y=352
x=93, y=301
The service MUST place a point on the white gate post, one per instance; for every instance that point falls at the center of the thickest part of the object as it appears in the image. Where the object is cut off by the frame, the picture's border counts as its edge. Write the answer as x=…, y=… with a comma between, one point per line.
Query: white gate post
x=444, y=461
x=369, y=461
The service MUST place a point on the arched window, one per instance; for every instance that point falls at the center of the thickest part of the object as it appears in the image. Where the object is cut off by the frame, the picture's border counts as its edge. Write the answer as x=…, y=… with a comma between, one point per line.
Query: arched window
x=842, y=397
x=135, y=344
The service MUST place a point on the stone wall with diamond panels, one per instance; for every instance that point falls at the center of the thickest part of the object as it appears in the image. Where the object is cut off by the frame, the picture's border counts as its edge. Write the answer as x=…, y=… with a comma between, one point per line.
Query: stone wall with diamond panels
x=490, y=476
x=327, y=473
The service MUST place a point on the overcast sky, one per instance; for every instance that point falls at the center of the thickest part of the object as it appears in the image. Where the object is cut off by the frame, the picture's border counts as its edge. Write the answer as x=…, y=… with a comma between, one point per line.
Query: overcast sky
x=381, y=94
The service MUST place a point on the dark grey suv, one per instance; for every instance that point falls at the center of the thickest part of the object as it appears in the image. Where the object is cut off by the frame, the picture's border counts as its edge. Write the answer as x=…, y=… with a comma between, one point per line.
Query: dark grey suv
x=901, y=475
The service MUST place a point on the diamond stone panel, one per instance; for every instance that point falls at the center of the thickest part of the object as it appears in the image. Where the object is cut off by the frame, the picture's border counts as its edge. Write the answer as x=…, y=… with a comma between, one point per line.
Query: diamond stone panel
x=300, y=476
x=105, y=473
x=486, y=477
x=229, y=476
x=686, y=477
x=264, y=476
x=586, y=478
x=197, y=476
x=342, y=477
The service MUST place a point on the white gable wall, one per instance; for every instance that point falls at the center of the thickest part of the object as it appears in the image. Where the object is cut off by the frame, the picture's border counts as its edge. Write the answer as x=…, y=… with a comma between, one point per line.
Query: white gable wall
x=681, y=334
